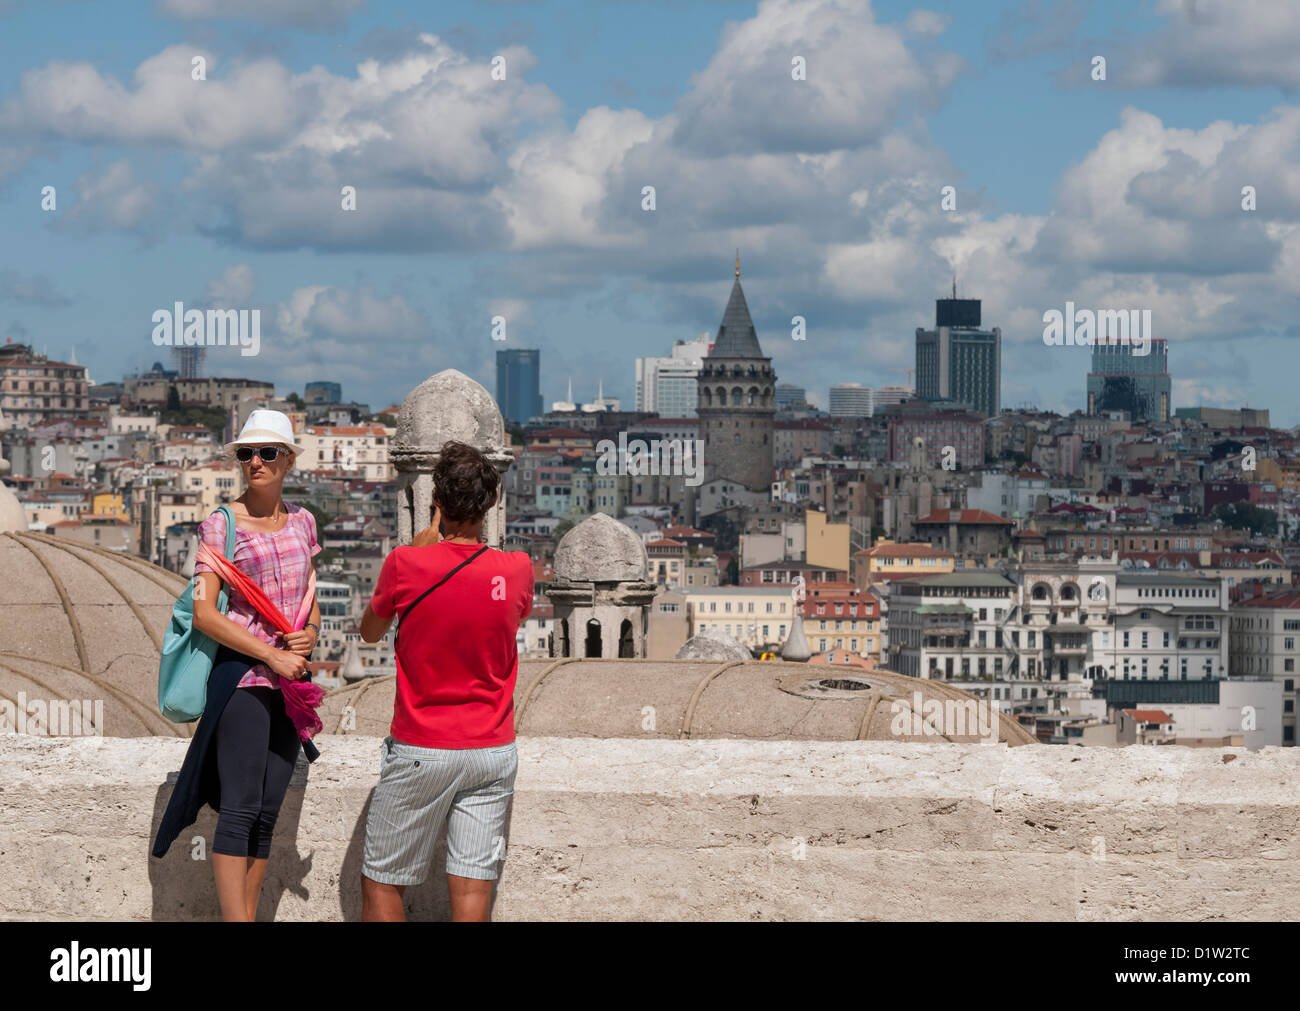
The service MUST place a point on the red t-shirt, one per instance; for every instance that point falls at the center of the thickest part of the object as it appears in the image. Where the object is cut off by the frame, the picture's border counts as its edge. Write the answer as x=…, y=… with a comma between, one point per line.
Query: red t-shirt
x=456, y=688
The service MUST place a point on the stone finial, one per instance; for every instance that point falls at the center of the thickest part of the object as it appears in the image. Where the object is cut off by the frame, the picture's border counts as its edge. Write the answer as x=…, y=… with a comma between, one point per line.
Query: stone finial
x=600, y=549
x=352, y=669
x=796, y=646
x=447, y=407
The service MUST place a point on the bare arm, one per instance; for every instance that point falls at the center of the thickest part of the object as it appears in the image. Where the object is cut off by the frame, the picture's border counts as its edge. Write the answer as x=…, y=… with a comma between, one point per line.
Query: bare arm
x=216, y=626
x=304, y=641
x=373, y=627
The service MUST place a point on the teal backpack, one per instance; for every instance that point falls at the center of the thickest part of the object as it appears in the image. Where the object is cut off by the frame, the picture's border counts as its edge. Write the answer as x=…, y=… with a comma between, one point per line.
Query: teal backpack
x=187, y=653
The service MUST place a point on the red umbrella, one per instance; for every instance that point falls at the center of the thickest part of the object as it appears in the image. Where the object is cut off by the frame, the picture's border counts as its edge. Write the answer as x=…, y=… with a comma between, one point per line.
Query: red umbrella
x=301, y=698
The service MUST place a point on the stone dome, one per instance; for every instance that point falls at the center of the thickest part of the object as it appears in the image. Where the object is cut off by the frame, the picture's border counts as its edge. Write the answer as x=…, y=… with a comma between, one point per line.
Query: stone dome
x=600, y=549
x=746, y=699
x=85, y=623
x=447, y=407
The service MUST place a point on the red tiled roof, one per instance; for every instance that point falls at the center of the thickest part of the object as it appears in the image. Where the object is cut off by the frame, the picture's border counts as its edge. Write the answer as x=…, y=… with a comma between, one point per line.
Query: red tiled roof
x=664, y=542
x=347, y=430
x=963, y=516
x=1150, y=715
x=1281, y=601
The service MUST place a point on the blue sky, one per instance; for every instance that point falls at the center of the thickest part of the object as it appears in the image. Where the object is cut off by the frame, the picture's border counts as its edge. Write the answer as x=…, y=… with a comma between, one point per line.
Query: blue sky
x=522, y=197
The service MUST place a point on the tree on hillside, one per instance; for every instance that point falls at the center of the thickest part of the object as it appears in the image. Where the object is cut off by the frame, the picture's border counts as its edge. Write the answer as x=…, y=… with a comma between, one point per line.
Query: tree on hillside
x=1244, y=516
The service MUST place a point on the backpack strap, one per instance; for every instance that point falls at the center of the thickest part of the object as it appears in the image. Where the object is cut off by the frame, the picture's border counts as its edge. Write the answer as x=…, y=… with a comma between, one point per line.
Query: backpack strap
x=223, y=595
x=230, y=531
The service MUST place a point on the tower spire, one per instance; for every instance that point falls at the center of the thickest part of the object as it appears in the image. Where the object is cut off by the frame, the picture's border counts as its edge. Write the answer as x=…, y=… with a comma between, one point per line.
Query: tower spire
x=737, y=261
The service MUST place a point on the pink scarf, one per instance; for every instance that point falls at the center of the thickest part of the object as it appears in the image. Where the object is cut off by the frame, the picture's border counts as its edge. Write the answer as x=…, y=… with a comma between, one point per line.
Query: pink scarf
x=301, y=698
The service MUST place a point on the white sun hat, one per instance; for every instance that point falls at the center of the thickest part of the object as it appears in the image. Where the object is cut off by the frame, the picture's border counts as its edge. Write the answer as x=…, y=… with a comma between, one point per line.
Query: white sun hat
x=265, y=426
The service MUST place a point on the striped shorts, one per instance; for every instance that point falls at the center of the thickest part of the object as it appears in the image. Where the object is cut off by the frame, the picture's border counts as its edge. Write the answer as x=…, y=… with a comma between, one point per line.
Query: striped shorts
x=420, y=787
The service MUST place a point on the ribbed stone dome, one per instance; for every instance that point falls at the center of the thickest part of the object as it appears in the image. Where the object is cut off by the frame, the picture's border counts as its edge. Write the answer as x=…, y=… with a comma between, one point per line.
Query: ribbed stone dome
x=84, y=623
x=447, y=407
x=600, y=549
x=756, y=700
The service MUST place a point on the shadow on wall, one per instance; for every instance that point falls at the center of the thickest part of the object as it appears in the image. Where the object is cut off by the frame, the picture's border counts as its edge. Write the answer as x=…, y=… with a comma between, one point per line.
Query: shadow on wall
x=183, y=888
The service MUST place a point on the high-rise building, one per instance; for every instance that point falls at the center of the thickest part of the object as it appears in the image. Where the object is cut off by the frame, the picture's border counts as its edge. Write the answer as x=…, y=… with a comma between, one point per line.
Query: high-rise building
x=850, y=400
x=735, y=404
x=519, y=374
x=321, y=392
x=957, y=362
x=884, y=396
x=668, y=386
x=188, y=361
x=788, y=395
x=1122, y=380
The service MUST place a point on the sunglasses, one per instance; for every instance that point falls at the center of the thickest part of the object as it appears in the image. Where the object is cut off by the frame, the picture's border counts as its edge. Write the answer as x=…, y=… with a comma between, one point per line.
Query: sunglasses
x=269, y=454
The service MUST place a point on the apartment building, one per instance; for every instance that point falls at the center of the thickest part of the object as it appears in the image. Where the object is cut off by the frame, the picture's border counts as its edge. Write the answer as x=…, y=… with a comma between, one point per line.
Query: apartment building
x=839, y=616
x=1264, y=629
x=887, y=560
x=754, y=615
x=952, y=626
x=1168, y=628
x=359, y=449
x=35, y=389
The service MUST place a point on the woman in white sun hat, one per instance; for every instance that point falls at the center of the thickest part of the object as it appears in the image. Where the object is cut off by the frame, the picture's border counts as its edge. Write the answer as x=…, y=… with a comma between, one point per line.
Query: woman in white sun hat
x=245, y=746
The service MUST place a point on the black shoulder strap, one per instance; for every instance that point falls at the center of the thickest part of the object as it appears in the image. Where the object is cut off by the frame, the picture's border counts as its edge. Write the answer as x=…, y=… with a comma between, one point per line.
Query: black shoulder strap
x=411, y=606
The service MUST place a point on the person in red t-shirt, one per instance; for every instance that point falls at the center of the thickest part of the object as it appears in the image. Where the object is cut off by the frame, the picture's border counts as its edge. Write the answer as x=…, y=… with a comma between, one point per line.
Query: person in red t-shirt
x=450, y=753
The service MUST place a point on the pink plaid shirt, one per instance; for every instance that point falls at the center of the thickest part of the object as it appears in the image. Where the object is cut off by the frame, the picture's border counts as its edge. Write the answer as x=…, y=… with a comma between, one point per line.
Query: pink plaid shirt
x=278, y=562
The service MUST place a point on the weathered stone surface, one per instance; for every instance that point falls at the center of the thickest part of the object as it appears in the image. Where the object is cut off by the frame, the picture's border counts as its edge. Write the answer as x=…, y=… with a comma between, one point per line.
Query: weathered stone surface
x=447, y=407
x=713, y=647
x=702, y=829
x=600, y=549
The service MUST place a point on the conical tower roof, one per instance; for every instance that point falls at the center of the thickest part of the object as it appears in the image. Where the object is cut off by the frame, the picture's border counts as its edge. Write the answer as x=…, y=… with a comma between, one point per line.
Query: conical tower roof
x=736, y=336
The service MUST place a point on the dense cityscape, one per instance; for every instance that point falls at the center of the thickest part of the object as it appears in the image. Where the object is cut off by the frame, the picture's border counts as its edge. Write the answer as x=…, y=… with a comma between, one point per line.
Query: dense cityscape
x=1121, y=575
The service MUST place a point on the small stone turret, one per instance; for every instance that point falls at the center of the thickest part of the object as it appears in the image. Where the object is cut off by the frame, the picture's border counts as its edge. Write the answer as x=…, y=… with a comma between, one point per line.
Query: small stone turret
x=601, y=594
x=447, y=407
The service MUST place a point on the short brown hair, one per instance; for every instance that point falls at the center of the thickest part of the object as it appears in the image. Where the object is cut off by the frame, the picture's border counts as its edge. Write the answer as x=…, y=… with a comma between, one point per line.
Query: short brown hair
x=465, y=483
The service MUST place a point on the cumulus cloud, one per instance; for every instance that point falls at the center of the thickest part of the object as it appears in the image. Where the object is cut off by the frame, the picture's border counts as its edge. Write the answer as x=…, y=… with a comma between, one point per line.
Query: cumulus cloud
x=1209, y=43
x=927, y=24
x=830, y=186
x=33, y=289
x=233, y=287
x=747, y=100
x=256, y=103
x=113, y=199
x=1113, y=214
x=309, y=14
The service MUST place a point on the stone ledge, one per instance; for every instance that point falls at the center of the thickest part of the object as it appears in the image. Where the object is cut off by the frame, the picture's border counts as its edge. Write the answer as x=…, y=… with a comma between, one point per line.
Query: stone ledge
x=621, y=828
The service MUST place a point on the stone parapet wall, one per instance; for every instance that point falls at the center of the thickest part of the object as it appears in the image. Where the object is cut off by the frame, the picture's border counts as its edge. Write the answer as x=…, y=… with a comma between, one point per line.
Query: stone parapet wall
x=607, y=829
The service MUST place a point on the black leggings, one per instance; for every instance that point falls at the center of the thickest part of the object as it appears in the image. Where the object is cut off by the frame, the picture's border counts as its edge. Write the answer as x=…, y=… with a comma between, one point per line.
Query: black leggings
x=257, y=747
